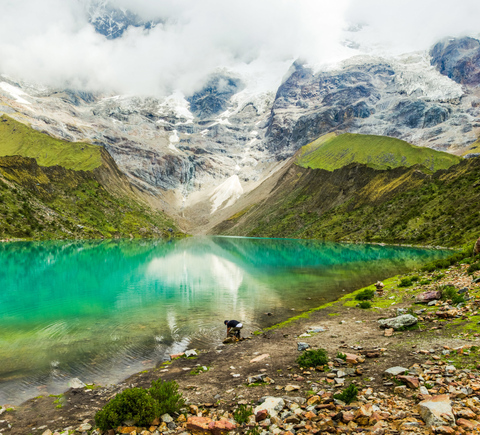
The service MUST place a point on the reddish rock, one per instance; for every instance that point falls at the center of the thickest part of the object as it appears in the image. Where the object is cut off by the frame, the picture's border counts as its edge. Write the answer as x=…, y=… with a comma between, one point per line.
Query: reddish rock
x=410, y=381
x=199, y=425
x=310, y=415
x=347, y=416
x=467, y=424
x=426, y=297
x=313, y=400
x=444, y=430
x=261, y=415
x=388, y=332
x=353, y=359
x=221, y=427
x=128, y=429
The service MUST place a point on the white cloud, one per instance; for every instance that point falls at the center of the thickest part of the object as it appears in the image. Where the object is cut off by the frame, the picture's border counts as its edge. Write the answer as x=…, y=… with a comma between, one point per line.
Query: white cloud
x=51, y=41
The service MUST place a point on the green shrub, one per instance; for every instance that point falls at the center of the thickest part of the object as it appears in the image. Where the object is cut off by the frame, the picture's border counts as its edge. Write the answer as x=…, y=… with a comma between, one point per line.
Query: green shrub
x=365, y=295
x=450, y=292
x=133, y=404
x=313, y=358
x=167, y=395
x=365, y=304
x=341, y=355
x=425, y=282
x=405, y=282
x=242, y=413
x=473, y=267
x=348, y=395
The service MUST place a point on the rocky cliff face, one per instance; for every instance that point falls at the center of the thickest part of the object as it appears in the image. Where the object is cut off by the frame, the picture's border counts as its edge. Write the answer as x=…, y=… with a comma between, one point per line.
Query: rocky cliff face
x=458, y=59
x=404, y=98
x=190, y=144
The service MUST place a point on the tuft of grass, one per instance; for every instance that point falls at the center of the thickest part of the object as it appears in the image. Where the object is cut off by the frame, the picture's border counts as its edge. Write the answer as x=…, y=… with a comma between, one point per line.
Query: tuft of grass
x=242, y=413
x=365, y=305
x=313, y=358
x=348, y=395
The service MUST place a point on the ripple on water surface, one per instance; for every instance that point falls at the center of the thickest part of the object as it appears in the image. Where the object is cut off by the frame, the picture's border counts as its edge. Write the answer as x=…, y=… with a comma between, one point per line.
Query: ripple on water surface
x=101, y=311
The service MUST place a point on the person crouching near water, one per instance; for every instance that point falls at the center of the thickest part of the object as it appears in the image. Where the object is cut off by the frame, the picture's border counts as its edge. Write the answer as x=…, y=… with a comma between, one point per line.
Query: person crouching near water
x=233, y=328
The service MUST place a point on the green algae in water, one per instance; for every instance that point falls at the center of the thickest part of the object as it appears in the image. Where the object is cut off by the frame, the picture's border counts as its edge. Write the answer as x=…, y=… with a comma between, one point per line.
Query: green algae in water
x=101, y=311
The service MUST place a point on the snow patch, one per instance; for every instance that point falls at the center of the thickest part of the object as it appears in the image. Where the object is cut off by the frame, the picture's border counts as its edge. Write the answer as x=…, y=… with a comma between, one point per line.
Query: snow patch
x=173, y=139
x=14, y=92
x=226, y=194
x=177, y=104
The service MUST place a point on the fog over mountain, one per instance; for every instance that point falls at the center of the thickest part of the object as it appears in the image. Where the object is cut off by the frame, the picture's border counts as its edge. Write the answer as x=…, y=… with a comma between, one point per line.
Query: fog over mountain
x=152, y=47
x=200, y=102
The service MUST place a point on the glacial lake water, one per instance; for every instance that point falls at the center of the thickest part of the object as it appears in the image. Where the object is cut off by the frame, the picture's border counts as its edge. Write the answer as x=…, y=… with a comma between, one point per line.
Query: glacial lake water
x=103, y=310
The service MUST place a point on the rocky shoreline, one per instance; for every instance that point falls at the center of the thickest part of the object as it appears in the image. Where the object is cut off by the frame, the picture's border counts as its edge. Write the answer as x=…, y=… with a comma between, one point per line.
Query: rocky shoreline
x=423, y=378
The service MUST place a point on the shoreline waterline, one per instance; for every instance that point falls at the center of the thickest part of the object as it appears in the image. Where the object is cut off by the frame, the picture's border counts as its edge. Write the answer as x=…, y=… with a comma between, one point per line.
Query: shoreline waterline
x=100, y=323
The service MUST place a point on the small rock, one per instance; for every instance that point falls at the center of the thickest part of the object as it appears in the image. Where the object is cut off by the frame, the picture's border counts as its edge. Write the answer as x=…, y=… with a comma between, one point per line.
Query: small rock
x=84, y=427
x=398, y=322
x=75, y=383
x=273, y=405
x=394, y=371
x=259, y=358
x=256, y=378
x=166, y=418
x=190, y=352
x=301, y=346
x=292, y=388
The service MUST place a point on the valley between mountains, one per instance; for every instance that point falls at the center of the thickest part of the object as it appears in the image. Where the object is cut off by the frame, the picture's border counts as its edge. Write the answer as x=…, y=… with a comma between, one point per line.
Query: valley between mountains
x=375, y=149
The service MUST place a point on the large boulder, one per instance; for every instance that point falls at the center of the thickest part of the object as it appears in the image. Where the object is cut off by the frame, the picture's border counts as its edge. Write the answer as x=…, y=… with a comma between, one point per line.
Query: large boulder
x=399, y=322
x=426, y=297
x=273, y=405
x=437, y=411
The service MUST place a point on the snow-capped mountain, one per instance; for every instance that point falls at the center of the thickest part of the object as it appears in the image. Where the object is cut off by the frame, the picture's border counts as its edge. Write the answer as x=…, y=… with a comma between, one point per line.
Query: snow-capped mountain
x=112, y=21
x=234, y=132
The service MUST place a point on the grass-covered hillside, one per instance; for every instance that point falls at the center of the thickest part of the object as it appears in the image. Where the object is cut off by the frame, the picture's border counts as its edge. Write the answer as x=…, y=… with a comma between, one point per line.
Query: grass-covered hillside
x=334, y=151
x=358, y=203
x=17, y=139
x=76, y=192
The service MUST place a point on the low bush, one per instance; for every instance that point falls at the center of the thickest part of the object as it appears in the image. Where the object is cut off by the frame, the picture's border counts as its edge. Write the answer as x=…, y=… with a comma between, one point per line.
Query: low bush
x=348, y=395
x=242, y=413
x=341, y=355
x=167, y=395
x=365, y=304
x=365, y=295
x=313, y=358
x=134, y=404
x=405, y=282
x=449, y=292
x=473, y=267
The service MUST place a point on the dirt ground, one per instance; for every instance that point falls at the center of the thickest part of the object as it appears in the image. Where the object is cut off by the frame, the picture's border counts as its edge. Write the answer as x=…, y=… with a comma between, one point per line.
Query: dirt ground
x=225, y=381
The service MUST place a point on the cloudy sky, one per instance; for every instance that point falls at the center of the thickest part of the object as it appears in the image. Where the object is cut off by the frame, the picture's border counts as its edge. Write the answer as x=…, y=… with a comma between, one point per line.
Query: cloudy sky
x=52, y=41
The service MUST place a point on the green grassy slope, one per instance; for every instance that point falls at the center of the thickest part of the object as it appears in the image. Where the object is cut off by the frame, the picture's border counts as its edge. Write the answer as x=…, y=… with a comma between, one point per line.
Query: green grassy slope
x=19, y=139
x=357, y=203
x=57, y=203
x=77, y=191
x=332, y=152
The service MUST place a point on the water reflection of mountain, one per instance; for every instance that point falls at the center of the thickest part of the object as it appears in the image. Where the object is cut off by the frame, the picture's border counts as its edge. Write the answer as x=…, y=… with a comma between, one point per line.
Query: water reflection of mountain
x=101, y=309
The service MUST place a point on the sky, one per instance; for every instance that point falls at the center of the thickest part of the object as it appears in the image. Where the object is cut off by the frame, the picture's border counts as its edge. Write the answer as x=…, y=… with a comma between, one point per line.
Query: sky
x=52, y=42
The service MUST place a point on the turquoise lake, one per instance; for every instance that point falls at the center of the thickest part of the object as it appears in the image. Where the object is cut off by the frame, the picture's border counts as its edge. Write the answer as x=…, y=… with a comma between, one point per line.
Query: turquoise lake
x=103, y=310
